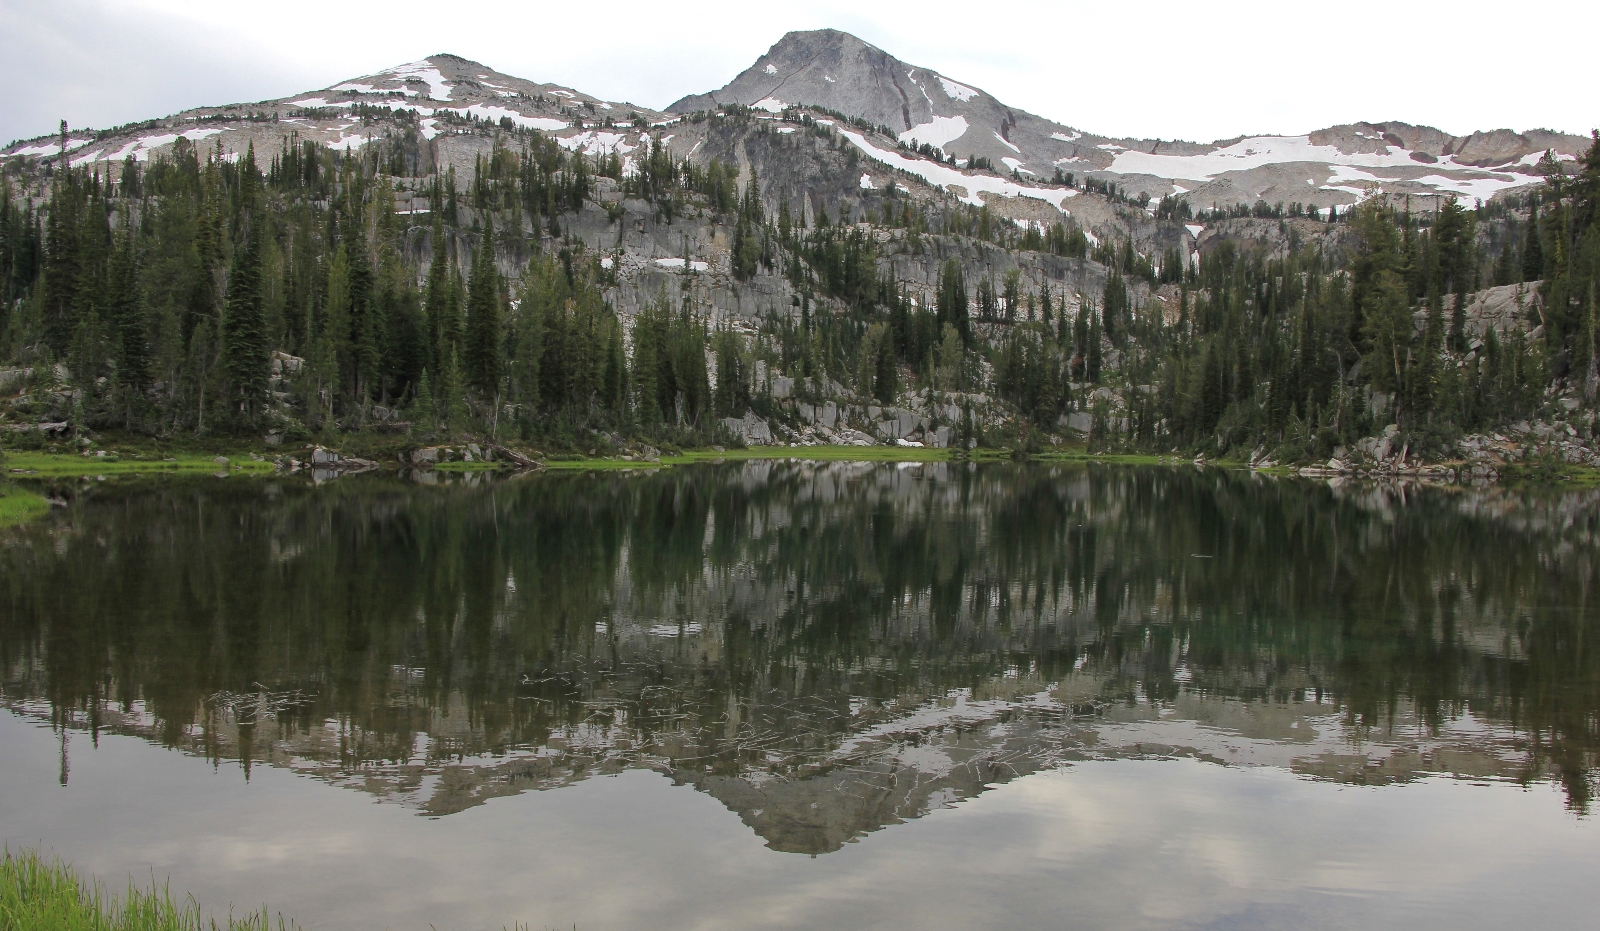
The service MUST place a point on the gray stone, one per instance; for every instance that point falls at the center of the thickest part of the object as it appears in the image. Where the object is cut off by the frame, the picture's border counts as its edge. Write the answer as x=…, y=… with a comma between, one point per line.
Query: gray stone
x=828, y=416
x=750, y=428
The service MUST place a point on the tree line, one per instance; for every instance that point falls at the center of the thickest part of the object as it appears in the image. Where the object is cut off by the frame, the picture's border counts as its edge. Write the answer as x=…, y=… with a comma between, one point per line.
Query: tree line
x=211, y=293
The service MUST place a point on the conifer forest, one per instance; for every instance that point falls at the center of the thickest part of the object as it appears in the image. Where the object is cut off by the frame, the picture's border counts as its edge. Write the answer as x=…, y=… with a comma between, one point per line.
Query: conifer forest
x=292, y=292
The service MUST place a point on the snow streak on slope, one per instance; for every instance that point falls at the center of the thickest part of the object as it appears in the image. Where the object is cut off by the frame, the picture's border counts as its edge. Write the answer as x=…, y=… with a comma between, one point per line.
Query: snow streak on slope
x=944, y=177
x=1261, y=151
x=495, y=114
x=438, y=87
x=942, y=131
x=956, y=91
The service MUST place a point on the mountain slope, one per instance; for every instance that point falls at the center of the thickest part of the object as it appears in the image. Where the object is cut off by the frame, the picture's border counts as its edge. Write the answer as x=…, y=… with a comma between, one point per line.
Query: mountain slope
x=1338, y=165
x=436, y=99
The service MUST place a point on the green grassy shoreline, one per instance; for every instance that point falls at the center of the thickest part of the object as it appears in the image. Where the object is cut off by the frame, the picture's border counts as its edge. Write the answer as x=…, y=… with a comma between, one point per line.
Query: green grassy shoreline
x=21, y=464
x=47, y=895
x=18, y=505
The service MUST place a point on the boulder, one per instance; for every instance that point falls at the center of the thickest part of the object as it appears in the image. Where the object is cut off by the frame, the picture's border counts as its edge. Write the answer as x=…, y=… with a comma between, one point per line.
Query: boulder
x=750, y=428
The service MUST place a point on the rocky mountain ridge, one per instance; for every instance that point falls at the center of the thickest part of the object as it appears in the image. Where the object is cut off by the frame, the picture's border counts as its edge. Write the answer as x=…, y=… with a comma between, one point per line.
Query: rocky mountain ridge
x=1332, y=166
x=915, y=106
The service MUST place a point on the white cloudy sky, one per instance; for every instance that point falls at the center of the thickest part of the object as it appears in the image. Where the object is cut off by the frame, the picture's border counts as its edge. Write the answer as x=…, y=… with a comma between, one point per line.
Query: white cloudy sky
x=1190, y=70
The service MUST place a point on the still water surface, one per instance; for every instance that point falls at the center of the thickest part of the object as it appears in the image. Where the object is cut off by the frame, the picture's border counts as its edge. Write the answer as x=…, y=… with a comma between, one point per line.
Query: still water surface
x=802, y=695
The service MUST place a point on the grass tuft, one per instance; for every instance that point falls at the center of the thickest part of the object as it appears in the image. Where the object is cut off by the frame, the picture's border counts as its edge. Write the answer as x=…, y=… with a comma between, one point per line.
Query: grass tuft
x=18, y=506
x=46, y=895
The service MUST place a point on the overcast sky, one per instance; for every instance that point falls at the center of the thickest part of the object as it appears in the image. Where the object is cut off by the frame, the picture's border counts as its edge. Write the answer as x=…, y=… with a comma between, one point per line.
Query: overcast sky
x=1175, y=70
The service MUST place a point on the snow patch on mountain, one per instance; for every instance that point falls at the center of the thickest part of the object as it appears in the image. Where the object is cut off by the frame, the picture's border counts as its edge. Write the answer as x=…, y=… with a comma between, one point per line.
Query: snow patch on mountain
x=349, y=143
x=139, y=148
x=942, y=131
x=1534, y=158
x=944, y=177
x=438, y=87
x=769, y=104
x=494, y=115
x=591, y=142
x=956, y=91
x=1260, y=151
x=912, y=77
x=356, y=87
x=48, y=149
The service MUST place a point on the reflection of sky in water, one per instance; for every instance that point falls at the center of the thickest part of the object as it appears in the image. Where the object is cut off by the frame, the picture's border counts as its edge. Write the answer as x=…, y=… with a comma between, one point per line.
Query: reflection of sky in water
x=1113, y=844
x=976, y=697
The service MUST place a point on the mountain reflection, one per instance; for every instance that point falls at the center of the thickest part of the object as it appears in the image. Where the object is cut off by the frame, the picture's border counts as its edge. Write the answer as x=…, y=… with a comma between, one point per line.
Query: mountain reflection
x=825, y=648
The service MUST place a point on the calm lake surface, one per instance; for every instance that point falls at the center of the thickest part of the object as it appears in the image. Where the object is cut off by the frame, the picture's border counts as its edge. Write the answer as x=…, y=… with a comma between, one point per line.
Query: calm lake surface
x=814, y=695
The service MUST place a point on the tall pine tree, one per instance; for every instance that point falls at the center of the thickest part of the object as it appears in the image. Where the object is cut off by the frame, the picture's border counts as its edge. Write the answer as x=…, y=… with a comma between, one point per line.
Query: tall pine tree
x=482, y=361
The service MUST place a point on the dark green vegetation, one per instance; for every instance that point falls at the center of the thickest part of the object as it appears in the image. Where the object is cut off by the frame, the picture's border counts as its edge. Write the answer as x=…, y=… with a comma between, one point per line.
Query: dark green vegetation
x=240, y=617
x=45, y=895
x=203, y=295
x=18, y=505
x=228, y=296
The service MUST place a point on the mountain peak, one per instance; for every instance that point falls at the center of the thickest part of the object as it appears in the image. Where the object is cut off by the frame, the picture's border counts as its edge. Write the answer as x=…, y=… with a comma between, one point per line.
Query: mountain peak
x=953, y=120
x=838, y=71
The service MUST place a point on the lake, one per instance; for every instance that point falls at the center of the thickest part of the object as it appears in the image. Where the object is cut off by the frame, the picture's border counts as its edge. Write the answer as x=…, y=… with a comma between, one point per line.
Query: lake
x=783, y=694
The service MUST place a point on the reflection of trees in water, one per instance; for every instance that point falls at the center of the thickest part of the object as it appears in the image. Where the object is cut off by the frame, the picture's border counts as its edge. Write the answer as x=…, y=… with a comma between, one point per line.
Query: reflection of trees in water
x=813, y=600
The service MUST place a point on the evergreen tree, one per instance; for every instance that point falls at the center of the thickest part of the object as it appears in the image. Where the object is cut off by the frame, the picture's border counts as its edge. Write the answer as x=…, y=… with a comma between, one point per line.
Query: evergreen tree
x=951, y=299
x=483, y=322
x=244, y=324
x=438, y=296
x=126, y=303
x=61, y=264
x=1533, y=248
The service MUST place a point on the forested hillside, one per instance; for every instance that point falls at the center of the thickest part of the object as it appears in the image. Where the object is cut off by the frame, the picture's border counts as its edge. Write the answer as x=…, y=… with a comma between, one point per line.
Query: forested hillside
x=294, y=293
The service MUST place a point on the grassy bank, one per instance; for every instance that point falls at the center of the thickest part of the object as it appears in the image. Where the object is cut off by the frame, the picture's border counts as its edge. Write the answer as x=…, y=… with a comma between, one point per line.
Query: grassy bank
x=18, y=505
x=25, y=463
x=46, y=895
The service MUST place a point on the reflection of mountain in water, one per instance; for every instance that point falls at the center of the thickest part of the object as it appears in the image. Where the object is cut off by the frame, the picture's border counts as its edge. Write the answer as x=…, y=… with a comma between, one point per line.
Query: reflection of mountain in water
x=827, y=649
